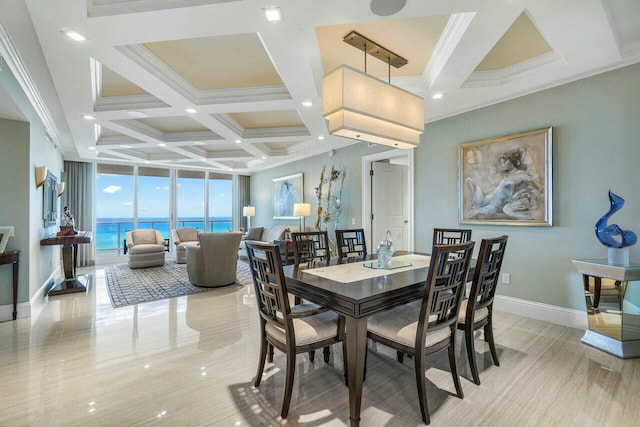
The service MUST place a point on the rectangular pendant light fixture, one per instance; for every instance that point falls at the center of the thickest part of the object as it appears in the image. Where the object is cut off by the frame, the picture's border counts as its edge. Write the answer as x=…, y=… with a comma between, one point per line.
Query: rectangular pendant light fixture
x=362, y=107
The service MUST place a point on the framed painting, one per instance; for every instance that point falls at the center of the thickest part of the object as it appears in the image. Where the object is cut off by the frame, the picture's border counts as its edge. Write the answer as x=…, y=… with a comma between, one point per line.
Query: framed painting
x=287, y=190
x=506, y=180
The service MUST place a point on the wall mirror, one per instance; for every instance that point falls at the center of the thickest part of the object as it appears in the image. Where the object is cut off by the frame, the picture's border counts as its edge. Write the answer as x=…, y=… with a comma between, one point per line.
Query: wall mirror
x=50, y=200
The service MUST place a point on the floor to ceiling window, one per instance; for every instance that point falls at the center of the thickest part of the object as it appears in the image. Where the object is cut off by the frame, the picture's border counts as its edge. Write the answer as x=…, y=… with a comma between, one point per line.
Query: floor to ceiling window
x=190, y=196
x=114, y=205
x=131, y=197
x=154, y=197
x=220, y=216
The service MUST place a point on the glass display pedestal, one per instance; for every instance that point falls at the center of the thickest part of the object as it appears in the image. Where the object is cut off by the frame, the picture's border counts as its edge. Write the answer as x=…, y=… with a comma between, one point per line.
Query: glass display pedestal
x=612, y=295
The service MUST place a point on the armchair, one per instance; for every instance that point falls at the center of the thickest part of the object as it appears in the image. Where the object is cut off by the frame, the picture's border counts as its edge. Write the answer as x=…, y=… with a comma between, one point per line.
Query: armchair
x=183, y=237
x=145, y=248
x=215, y=261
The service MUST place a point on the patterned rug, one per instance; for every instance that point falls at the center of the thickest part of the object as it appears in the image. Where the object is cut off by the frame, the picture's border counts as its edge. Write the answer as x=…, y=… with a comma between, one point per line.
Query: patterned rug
x=128, y=286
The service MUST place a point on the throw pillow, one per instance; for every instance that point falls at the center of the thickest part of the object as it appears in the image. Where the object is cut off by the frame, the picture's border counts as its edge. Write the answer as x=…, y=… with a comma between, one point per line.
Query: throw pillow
x=255, y=233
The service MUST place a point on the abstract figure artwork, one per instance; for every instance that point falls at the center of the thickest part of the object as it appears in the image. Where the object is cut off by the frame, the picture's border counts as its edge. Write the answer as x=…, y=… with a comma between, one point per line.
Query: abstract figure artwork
x=506, y=180
x=287, y=191
x=612, y=236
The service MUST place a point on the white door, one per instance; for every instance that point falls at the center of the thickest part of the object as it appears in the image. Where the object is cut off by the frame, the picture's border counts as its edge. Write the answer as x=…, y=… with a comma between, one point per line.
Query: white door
x=389, y=204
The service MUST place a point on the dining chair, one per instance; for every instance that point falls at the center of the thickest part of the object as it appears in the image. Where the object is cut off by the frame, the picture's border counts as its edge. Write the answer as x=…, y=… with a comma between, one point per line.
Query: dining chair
x=428, y=325
x=444, y=236
x=291, y=329
x=351, y=243
x=477, y=311
x=311, y=246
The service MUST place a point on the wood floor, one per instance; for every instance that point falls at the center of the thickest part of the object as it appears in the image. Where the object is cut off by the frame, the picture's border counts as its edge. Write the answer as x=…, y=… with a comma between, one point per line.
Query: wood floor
x=190, y=361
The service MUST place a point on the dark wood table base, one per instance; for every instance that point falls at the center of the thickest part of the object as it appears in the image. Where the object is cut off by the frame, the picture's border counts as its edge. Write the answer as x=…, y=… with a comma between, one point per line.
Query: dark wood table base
x=71, y=283
x=68, y=286
x=13, y=257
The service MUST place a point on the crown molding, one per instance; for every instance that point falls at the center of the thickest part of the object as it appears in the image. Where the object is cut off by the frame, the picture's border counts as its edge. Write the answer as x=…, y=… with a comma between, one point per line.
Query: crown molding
x=513, y=73
x=451, y=35
x=127, y=102
x=21, y=74
x=119, y=7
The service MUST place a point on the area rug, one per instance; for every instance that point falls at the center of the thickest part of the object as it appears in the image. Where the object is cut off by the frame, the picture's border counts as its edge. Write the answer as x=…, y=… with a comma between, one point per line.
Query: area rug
x=128, y=286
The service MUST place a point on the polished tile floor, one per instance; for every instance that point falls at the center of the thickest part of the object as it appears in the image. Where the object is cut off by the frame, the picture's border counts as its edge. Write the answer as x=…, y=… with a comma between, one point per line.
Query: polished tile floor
x=190, y=361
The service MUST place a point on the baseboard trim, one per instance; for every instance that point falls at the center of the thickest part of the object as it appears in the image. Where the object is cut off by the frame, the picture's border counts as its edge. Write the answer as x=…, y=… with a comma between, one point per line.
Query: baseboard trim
x=536, y=310
x=38, y=301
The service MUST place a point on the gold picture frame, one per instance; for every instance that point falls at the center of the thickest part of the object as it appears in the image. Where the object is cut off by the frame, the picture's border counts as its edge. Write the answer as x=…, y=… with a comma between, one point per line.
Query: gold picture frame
x=507, y=180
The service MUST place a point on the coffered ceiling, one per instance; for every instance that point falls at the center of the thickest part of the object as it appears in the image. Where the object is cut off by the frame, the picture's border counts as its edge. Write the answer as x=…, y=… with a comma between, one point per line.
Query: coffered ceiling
x=145, y=63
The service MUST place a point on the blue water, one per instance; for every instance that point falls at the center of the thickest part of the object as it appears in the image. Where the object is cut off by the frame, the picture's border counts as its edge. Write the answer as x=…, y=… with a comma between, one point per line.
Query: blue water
x=110, y=232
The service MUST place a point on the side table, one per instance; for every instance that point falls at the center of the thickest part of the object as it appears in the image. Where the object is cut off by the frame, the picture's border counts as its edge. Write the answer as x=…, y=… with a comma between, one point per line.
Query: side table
x=71, y=282
x=612, y=296
x=13, y=257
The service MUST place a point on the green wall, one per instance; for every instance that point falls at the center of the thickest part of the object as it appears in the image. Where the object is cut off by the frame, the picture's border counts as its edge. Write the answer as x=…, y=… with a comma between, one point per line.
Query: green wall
x=24, y=145
x=262, y=185
x=596, y=147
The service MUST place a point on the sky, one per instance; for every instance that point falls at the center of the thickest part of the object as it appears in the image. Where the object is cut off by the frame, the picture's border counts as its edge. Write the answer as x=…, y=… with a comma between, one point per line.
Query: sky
x=115, y=197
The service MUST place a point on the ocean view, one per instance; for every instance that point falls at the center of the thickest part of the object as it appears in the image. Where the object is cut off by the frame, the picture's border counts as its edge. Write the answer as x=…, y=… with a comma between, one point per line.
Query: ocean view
x=110, y=232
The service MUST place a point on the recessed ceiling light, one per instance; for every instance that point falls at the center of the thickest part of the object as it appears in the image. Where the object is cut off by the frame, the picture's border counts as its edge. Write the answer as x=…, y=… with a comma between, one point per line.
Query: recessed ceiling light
x=162, y=144
x=273, y=13
x=191, y=110
x=88, y=117
x=136, y=114
x=74, y=35
x=238, y=141
x=91, y=148
x=307, y=104
x=437, y=95
x=321, y=137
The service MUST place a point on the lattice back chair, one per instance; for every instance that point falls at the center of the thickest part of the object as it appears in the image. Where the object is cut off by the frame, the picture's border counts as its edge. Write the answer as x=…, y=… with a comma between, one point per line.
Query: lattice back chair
x=450, y=236
x=479, y=306
x=351, y=243
x=290, y=329
x=311, y=246
x=427, y=326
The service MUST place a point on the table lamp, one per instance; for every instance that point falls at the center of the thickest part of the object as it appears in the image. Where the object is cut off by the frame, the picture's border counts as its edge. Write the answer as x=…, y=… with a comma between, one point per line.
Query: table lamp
x=301, y=210
x=249, y=211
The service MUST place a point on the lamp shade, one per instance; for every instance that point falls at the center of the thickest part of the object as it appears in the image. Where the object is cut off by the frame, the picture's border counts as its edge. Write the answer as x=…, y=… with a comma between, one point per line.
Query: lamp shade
x=60, y=188
x=41, y=175
x=362, y=107
x=301, y=209
x=249, y=211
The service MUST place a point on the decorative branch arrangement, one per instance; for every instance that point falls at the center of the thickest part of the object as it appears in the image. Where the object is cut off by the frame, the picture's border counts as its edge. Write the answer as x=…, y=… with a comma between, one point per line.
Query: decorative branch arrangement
x=329, y=205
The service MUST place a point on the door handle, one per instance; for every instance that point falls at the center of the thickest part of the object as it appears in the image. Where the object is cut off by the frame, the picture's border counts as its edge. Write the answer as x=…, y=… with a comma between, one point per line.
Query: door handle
x=406, y=221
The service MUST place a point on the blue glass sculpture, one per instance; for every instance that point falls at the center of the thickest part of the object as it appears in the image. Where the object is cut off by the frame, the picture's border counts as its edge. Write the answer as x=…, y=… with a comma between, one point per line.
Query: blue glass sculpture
x=607, y=234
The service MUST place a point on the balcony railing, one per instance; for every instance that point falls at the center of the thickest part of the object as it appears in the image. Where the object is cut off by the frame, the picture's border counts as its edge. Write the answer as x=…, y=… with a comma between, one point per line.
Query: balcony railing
x=110, y=235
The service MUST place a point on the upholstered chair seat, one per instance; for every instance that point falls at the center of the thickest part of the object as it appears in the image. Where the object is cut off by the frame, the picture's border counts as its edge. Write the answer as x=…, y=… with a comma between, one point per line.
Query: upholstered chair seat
x=145, y=248
x=480, y=314
x=308, y=330
x=400, y=324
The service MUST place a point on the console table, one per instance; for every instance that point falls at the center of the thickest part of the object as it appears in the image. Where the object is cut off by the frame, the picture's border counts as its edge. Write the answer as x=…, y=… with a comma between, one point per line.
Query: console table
x=612, y=295
x=71, y=282
x=12, y=257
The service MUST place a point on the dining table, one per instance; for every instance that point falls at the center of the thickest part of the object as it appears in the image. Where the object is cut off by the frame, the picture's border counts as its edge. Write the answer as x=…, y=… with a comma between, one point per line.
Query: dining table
x=356, y=291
